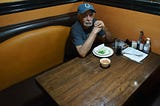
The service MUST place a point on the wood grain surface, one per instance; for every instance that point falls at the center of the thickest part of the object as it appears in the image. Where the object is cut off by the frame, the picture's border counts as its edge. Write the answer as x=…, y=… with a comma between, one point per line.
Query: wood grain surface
x=82, y=82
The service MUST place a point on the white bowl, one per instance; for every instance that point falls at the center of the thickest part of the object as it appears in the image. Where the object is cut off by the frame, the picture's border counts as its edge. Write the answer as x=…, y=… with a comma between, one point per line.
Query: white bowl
x=105, y=62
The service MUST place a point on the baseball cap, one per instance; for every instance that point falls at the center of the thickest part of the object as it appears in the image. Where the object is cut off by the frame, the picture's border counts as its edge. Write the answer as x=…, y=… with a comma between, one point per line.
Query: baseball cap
x=85, y=7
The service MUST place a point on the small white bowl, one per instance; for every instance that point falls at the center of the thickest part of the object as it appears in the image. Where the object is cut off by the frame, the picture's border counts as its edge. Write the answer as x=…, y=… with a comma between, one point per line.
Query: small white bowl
x=105, y=62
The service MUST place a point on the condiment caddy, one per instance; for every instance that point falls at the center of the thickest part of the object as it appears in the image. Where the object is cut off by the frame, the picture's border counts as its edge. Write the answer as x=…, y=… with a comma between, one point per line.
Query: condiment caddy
x=143, y=43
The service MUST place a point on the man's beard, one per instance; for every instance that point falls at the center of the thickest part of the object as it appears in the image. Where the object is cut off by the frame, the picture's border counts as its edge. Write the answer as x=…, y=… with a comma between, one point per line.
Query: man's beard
x=88, y=24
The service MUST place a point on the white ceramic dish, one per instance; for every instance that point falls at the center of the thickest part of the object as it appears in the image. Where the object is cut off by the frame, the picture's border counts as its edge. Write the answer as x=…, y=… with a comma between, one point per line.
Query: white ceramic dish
x=105, y=62
x=102, y=51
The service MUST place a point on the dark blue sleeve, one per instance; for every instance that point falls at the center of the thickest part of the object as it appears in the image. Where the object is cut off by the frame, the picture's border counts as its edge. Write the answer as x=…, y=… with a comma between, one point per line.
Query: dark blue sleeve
x=76, y=34
x=76, y=37
x=101, y=33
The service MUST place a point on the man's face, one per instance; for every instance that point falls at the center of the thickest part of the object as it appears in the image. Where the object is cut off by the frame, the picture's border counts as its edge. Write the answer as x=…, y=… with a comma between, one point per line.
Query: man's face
x=87, y=18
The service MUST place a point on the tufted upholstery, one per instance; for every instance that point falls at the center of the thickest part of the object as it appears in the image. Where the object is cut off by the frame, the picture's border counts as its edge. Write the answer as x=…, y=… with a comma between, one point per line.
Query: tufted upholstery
x=30, y=53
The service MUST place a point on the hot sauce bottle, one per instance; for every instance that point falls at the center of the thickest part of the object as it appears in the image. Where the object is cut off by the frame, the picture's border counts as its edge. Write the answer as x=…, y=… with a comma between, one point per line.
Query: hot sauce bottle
x=141, y=41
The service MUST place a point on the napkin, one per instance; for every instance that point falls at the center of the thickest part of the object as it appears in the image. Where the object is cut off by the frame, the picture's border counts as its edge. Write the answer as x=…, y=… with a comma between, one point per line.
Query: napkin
x=134, y=54
x=100, y=48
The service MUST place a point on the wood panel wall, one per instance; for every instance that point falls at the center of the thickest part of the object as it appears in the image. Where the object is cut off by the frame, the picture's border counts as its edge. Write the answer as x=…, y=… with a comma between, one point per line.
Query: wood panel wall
x=122, y=23
x=6, y=1
x=20, y=17
x=127, y=24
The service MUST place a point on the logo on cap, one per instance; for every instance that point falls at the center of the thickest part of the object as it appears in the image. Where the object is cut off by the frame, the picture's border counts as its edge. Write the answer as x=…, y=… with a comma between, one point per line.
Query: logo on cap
x=87, y=5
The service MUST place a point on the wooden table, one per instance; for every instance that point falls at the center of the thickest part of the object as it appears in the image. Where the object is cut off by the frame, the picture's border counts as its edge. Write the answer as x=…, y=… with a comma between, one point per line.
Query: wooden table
x=82, y=82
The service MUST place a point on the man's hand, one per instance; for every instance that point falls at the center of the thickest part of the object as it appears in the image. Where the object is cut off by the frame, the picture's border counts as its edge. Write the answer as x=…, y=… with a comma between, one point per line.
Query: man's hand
x=96, y=30
x=99, y=24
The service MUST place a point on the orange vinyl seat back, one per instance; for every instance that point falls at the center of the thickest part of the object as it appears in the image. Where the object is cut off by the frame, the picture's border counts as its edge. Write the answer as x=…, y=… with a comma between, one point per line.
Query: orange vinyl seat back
x=30, y=53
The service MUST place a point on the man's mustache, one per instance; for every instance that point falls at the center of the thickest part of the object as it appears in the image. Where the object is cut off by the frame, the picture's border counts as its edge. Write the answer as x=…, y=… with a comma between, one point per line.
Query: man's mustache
x=88, y=22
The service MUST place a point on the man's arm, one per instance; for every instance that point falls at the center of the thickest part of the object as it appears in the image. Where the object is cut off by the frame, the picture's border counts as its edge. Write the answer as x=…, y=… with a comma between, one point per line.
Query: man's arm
x=105, y=37
x=108, y=36
x=84, y=49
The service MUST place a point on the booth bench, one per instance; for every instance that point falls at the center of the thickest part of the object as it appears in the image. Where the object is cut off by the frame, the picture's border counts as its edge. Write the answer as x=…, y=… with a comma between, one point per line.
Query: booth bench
x=29, y=48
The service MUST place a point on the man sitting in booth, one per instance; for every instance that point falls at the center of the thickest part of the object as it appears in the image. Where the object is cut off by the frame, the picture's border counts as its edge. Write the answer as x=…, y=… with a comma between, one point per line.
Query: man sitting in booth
x=87, y=29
